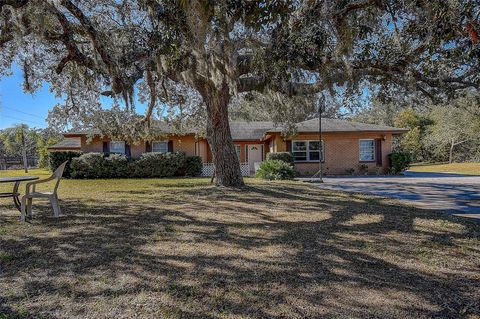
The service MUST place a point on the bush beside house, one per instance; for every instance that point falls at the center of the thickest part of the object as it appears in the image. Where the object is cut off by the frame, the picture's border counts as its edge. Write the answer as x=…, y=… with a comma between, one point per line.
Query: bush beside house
x=399, y=162
x=281, y=156
x=159, y=164
x=193, y=166
x=275, y=170
x=55, y=159
x=101, y=165
x=98, y=165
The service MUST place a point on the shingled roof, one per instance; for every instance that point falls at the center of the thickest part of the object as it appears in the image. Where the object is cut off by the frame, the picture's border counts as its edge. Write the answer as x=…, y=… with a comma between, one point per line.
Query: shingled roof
x=83, y=132
x=336, y=125
x=256, y=130
x=160, y=126
x=69, y=143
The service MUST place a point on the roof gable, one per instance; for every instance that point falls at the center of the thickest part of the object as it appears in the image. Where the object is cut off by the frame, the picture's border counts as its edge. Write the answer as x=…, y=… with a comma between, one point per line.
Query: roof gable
x=249, y=130
x=67, y=143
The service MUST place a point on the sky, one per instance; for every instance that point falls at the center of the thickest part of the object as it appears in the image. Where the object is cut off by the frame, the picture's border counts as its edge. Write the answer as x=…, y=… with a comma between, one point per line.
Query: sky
x=18, y=107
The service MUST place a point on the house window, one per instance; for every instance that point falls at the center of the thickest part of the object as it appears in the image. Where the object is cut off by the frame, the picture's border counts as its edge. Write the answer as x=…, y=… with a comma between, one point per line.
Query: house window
x=159, y=147
x=307, y=151
x=117, y=147
x=237, y=150
x=367, y=150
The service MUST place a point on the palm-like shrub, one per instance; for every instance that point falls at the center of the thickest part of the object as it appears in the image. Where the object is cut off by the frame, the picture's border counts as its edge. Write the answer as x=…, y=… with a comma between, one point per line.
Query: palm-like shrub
x=281, y=156
x=275, y=170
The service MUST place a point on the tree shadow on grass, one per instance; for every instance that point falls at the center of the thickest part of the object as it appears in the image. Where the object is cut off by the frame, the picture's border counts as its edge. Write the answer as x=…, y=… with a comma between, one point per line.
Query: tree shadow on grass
x=274, y=250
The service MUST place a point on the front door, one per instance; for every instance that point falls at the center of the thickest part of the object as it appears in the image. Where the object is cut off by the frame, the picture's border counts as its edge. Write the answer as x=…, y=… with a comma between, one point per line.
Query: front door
x=255, y=155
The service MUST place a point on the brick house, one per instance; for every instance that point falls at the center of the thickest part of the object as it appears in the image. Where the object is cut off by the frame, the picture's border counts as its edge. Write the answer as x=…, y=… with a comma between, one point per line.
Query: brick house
x=346, y=145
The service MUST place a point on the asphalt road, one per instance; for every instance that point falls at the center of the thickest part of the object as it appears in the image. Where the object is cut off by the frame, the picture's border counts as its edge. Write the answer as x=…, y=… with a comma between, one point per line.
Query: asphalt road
x=452, y=193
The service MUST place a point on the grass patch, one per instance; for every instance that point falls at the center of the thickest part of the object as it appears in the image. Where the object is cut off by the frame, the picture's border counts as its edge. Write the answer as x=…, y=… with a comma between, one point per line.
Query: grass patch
x=6, y=257
x=181, y=248
x=457, y=168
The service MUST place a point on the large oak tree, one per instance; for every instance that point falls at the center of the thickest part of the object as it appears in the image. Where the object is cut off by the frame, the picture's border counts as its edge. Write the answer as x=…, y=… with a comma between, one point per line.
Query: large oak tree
x=220, y=49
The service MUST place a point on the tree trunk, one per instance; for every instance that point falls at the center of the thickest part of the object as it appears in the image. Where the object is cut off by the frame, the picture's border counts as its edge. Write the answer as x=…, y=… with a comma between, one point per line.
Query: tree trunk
x=450, y=156
x=24, y=154
x=25, y=161
x=227, y=165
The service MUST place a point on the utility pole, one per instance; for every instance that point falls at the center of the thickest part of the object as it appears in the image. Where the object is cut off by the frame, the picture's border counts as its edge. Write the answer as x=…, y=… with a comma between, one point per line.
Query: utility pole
x=319, y=174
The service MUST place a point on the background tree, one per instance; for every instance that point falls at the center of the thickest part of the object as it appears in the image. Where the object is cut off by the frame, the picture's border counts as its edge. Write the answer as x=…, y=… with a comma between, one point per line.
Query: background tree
x=210, y=51
x=20, y=141
x=23, y=142
x=452, y=128
x=413, y=141
x=45, y=139
x=438, y=132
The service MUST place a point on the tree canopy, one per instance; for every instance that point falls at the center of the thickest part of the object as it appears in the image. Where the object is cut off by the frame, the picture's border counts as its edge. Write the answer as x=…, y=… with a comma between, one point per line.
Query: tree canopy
x=194, y=56
x=437, y=132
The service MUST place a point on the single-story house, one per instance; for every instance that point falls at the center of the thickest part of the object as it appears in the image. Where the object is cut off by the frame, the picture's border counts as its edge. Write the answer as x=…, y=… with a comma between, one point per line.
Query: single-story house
x=347, y=145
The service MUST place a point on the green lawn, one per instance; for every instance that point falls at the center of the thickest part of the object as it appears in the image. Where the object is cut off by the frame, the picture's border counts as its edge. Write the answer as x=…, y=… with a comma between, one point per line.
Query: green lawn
x=180, y=248
x=35, y=172
x=457, y=168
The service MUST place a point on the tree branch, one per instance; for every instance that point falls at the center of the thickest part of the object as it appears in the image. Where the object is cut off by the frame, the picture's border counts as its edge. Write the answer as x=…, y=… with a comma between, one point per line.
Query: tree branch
x=400, y=69
x=340, y=15
x=5, y=38
x=460, y=142
x=74, y=53
x=153, y=97
x=92, y=33
x=13, y=3
x=248, y=84
x=244, y=64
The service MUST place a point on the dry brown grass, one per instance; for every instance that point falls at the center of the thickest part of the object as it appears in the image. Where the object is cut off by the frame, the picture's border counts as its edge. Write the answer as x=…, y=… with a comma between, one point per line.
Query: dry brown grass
x=184, y=249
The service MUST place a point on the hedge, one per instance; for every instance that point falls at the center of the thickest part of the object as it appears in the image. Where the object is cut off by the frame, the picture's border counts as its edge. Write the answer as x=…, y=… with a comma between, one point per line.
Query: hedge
x=281, y=156
x=159, y=164
x=100, y=165
x=55, y=159
x=193, y=166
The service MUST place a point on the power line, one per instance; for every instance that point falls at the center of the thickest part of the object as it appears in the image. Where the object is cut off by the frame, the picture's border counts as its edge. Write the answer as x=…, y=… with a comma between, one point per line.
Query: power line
x=23, y=120
x=26, y=113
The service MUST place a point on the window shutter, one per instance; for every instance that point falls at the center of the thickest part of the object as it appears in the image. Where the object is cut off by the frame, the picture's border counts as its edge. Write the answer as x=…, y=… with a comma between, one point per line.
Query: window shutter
x=148, y=147
x=106, y=147
x=289, y=146
x=128, y=151
x=378, y=151
x=170, y=146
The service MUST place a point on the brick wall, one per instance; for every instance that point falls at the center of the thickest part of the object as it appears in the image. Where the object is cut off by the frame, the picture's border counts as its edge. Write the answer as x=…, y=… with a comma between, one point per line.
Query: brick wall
x=341, y=152
x=180, y=144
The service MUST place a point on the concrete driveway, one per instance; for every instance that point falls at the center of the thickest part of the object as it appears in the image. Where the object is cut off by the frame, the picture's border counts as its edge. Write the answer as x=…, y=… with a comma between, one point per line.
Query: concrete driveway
x=452, y=193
